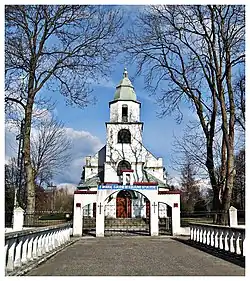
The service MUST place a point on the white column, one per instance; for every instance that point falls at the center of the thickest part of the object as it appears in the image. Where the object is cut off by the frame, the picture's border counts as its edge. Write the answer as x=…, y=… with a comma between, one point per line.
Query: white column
x=11, y=257
x=35, y=247
x=5, y=252
x=216, y=238
x=212, y=237
x=154, y=223
x=57, y=238
x=226, y=240
x=18, y=219
x=29, y=253
x=221, y=234
x=43, y=241
x=17, y=261
x=208, y=236
x=99, y=219
x=77, y=220
x=24, y=250
x=39, y=245
x=53, y=240
x=191, y=232
x=231, y=241
x=50, y=241
x=237, y=237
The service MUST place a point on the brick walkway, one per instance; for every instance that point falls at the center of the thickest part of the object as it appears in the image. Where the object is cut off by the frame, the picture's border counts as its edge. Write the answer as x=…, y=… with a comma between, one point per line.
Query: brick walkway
x=134, y=256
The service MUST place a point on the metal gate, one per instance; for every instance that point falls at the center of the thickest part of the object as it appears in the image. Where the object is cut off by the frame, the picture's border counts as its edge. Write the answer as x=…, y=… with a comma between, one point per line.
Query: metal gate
x=89, y=220
x=164, y=219
x=126, y=225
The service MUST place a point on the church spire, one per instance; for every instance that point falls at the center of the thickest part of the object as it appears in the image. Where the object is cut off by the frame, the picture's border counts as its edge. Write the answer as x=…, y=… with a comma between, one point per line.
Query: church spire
x=125, y=89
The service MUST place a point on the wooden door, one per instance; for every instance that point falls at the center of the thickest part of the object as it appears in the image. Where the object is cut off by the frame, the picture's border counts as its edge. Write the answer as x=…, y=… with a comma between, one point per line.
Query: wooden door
x=123, y=207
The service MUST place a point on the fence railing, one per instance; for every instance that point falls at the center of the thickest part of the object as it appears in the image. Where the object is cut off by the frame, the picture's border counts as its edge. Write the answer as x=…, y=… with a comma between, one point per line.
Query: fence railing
x=206, y=217
x=21, y=247
x=40, y=218
x=228, y=239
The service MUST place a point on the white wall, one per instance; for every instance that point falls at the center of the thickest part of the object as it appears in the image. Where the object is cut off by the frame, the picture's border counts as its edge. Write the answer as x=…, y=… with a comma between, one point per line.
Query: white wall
x=133, y=111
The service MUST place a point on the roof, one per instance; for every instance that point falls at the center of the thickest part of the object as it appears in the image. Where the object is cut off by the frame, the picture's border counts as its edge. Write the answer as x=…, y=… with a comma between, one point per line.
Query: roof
x=125, y=89
x=147, y=177
x=91, y=182
x=95, y=181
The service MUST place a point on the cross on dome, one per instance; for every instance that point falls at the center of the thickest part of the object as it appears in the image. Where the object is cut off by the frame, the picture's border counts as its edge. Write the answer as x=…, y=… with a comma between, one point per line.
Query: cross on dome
x=125, y=72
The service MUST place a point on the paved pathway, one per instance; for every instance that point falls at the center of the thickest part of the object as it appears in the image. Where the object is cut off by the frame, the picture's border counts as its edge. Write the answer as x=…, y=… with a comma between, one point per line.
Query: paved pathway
x=134, y=256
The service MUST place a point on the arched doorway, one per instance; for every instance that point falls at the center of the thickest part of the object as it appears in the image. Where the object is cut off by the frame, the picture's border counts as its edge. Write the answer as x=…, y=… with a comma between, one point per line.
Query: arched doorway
x=123, y=204
x=123, y=165
x=126, y=212
x=164, y=219
x=89, y=220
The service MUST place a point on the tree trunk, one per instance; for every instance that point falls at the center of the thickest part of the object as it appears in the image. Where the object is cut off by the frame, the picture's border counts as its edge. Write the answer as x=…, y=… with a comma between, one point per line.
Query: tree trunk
x=226, y=196
x=30, y=184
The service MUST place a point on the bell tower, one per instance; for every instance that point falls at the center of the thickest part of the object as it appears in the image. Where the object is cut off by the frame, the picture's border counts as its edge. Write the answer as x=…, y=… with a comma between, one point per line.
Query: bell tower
x=124, y=130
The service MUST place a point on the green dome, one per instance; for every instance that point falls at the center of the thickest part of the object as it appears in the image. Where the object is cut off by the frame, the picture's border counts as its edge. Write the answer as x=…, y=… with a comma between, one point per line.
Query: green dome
x=125, y=89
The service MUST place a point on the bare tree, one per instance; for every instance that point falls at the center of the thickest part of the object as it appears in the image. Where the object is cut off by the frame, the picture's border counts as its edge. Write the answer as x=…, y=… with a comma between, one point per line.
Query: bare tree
x=191, y=54
x=11, y=174
x=50, y=150
x=190, y=192
x=238, y=194
x=240, y=102
x=59, y=47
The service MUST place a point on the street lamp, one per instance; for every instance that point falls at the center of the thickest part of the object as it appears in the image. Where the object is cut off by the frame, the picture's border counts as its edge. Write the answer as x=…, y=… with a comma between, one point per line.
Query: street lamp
x=52, y=190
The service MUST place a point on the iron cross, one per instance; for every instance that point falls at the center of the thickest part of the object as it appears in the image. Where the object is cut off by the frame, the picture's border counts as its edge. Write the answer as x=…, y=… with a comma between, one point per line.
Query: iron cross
x=154, y=205
x=100, y=208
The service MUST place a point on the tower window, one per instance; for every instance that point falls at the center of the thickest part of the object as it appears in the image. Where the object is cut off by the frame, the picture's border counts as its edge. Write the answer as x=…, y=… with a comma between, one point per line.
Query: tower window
x=123, y=165
x=124, y=136
x=124, y=113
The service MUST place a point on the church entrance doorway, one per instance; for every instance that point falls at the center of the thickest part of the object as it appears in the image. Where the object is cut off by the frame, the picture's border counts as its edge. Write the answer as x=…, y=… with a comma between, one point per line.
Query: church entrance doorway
x=123, y=204
x=130, y=215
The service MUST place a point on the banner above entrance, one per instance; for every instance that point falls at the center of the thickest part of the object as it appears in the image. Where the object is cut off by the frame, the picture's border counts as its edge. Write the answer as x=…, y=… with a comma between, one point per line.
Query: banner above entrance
x=122, y=187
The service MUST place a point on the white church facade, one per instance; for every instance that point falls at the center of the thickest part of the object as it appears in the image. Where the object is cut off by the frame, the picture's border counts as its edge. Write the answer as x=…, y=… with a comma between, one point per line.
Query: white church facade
x=123, y=178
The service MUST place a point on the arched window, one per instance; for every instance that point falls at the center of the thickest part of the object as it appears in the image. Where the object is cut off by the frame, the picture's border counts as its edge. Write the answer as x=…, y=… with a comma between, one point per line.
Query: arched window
x=123, y=165
x=124, y=113
x=124, y=136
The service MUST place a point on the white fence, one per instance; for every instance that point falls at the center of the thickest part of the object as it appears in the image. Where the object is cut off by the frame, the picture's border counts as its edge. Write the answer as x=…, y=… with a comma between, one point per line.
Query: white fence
x=24, y=246
x=229, y=239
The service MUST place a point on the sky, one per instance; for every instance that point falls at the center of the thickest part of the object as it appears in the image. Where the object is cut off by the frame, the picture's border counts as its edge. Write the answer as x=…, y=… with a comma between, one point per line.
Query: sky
x=87, y=131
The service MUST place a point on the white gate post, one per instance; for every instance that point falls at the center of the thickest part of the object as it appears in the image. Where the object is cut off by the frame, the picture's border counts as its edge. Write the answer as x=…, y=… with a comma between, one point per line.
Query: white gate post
x=233, y=219
x=18, y=219
x=77, y=219
x=176, y=217
x=154, y=225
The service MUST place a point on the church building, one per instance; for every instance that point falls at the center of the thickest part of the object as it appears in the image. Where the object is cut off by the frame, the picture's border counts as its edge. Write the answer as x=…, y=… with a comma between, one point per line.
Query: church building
x=123, y=186
x=124, y=151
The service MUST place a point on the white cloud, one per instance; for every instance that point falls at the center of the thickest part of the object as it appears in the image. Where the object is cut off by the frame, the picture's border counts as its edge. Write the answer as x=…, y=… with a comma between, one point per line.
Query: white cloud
x=11, y=144
x=70, y=187
x=83, y=144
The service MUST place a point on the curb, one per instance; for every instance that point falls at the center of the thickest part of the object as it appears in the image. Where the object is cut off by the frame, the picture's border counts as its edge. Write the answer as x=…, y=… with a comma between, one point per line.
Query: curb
x=35, y=263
